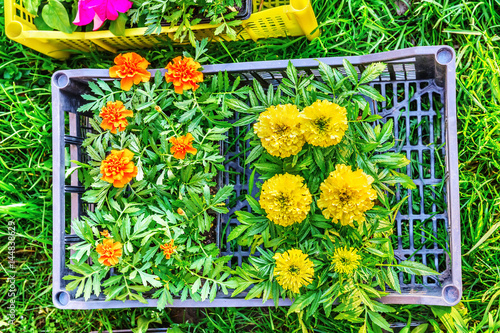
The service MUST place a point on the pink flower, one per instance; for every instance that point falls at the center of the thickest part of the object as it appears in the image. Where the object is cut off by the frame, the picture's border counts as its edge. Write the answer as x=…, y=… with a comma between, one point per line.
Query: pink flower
x=100, y=11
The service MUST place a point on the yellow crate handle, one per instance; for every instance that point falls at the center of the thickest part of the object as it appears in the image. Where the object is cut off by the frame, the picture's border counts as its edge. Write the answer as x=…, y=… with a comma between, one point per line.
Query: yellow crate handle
x=304, y=14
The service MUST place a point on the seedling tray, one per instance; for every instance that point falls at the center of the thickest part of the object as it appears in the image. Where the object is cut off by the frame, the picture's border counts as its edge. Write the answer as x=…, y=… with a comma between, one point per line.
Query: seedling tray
x=276, y=18
x=419, y=85
x=244, y=13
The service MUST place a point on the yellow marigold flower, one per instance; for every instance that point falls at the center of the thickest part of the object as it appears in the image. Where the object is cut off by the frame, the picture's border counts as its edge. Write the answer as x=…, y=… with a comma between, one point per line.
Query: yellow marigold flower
x=110, y=252
x=168, y=249
x=279, y=130
x=346, y=260
x=293, y=269
x=286, y=199
x=346, y=195
x=325, y=123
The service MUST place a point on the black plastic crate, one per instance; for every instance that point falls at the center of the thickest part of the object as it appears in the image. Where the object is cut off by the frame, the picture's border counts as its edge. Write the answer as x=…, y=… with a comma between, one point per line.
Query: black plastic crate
x=419, y=84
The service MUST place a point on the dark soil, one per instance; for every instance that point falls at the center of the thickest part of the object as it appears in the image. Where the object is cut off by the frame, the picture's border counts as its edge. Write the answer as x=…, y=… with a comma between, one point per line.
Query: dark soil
x=211, y=234
x=185, y=315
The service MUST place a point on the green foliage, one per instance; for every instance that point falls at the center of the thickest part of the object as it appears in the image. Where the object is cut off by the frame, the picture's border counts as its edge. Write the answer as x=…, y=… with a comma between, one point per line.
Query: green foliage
x=117, y=27
x=170, y=200
x=55, y=16
x=156, y=13
x=364, y=146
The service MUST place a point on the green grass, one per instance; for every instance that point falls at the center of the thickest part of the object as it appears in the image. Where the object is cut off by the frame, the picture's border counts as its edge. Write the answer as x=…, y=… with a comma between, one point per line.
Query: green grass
x=349, y=28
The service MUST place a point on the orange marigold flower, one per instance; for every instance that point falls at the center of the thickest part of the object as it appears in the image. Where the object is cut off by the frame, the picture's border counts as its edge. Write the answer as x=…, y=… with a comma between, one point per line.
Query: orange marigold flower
x=118, y=168
x=181, y=212
x=184, y=74
x=168, y=249
x=110, y=252
x=131, y=68
x=182, y=145
x=105, y=233
x=114, y=116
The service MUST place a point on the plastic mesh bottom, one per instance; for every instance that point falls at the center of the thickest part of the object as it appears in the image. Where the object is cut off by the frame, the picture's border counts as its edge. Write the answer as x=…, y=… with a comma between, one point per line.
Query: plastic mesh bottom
x=417, y=109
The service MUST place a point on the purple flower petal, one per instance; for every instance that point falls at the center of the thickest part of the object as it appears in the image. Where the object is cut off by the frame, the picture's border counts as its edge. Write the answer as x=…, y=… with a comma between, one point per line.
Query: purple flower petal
x=120, y=5
x=85, y=15
x=111, y=12
x=100, y=11
x=97, y=22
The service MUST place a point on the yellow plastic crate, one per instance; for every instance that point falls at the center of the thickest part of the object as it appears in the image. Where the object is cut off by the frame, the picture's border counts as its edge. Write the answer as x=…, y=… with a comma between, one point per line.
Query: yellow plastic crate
x=270, y=18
